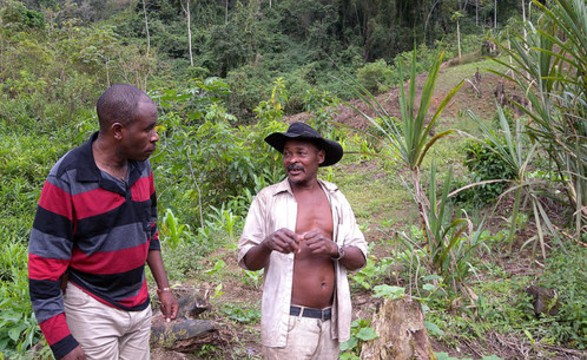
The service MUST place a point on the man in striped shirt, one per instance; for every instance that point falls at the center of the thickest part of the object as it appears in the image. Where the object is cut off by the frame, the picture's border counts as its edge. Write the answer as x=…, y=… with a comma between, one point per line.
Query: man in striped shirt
x=94, y=231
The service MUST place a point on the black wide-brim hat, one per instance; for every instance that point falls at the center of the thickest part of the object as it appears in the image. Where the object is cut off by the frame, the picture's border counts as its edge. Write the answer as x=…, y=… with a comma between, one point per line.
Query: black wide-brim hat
x=333, y=150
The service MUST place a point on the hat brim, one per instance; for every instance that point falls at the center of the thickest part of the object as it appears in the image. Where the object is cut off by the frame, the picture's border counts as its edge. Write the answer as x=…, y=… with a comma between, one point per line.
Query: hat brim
x=332, y=149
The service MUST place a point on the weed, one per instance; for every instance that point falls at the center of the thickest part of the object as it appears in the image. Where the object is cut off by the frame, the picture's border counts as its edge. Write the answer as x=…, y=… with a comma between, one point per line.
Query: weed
x=242, y=314
x=375, y=271
x=361, y=332
x=253, y=279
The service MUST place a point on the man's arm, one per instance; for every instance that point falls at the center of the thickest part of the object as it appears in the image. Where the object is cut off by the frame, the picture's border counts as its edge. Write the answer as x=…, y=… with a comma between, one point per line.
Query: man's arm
x=169, y=306
x=354, y=247
x=50, y=247
x=352, y=258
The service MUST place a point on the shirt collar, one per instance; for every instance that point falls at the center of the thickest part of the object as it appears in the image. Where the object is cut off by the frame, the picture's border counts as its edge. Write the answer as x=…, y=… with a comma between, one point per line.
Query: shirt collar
x=88, y=171
x=285, y=186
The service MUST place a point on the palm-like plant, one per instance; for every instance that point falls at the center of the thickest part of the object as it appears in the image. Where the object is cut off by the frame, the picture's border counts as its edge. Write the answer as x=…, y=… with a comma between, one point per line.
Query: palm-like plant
x=411, y=138
x=511, y=144
x=550, y=65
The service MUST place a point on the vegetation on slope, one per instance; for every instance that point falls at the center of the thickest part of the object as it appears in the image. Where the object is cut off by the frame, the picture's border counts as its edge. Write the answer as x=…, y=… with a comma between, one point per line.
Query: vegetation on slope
x=256, y=64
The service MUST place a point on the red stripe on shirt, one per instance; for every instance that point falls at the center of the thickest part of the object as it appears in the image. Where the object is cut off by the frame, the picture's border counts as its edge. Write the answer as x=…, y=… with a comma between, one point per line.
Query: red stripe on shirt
x=56, y=200
x=138, y=298
x=142, y=189
x=55, y=328
x=110, y=262
x=96, y=202
x=41, y=268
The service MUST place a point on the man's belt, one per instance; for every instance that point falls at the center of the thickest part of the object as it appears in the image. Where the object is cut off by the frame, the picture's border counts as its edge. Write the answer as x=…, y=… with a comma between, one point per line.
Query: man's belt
x=323, y=314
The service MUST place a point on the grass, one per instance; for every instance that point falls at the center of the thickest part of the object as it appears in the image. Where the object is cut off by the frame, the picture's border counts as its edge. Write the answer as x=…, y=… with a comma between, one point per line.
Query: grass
x=375, y=196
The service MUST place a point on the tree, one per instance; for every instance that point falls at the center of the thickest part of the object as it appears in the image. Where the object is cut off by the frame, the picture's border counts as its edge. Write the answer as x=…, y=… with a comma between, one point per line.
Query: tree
x=456, y=16
x=188, y=16
x=147, y=28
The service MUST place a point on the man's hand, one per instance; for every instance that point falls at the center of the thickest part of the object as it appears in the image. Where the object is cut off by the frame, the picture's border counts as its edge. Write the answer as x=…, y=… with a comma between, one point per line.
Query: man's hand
x=169, y=306
x=320, y=244
x=284, y=241
x=75, y=354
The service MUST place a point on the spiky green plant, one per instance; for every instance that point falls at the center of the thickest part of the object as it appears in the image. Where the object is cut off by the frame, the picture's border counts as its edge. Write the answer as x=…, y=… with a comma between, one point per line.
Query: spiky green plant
x=512, y=145
x=411, y=138
x=550, y=65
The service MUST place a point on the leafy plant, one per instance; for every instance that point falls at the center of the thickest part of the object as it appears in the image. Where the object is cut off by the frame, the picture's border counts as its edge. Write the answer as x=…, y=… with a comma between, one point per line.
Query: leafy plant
x=410, y=139
x=173, y=233
x=375, y=76
x=510, y=146
x=242, y=314
x=548, y=62
x=374, y=272
x=389, y=292
x=483, y=165
x=18, y=328
x=253, y=278
x=361, y=332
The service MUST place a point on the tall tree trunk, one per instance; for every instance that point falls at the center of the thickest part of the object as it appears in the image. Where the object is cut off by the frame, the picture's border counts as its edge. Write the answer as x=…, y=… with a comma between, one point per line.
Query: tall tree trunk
x=476, y=12
x=459, y=38
x=226, y=12
x=495, y=15
x=188, y=17
x=147, y=28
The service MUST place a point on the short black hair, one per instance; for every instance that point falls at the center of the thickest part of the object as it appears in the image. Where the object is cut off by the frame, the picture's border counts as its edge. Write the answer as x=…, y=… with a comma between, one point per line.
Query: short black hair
x=119, y=103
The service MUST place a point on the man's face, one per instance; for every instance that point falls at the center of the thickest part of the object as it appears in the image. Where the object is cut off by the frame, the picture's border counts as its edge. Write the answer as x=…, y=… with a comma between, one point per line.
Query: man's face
x=301, y=160
x=140, y=136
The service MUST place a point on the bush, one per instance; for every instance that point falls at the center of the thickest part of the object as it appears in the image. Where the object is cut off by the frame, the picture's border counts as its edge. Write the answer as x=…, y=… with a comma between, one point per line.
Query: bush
x=483, y=164
x=376, y=76
x=565, y=273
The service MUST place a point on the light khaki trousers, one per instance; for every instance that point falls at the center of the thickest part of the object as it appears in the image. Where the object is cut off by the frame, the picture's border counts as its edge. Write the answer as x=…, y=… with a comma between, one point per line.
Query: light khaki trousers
x=307, y=339
x=106, y=333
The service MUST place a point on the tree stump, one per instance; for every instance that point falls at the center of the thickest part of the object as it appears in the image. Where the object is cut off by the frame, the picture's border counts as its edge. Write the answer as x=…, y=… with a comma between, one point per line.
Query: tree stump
x=402, y=334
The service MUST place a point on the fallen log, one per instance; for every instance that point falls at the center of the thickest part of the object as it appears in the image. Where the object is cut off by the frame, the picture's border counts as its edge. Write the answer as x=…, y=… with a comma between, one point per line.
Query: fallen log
x=185, y=334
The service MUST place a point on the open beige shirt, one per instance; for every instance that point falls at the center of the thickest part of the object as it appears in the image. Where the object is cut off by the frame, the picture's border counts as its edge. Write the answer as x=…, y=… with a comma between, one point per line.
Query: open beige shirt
x=272, y=209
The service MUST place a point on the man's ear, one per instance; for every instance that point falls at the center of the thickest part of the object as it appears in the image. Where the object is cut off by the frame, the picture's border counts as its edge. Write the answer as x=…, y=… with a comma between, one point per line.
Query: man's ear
x=117, y=130
x=321, y=156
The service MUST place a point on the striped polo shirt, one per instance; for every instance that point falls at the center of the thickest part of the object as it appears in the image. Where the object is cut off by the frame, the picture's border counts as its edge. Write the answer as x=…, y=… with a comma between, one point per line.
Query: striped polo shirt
x=97, y=230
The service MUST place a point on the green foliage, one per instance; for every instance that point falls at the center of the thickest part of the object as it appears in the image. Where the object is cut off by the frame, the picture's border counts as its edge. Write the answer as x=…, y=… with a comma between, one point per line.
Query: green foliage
x=376, y=271
x=451, y=241
x=511, y=145
x=484, y=164
x=361, y=332
x=172, y=232
x=389, y=292
x=55, y=61
x=242, y=314
x=565, y=273
x=14, y=15
x=547, y=58
x=375, y=77
x=18, y=329
x=253, y=279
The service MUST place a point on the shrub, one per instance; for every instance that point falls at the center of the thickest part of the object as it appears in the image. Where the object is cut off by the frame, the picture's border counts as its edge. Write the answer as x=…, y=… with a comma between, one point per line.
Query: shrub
x=483, y=164
x=376, y=76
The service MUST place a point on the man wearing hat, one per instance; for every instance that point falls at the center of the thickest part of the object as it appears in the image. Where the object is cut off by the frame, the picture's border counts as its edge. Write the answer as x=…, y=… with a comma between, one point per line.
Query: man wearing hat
x=303, y=233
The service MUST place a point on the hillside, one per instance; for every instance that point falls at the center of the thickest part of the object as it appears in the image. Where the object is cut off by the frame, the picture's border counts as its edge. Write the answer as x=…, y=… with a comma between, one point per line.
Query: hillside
x=380, y=201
